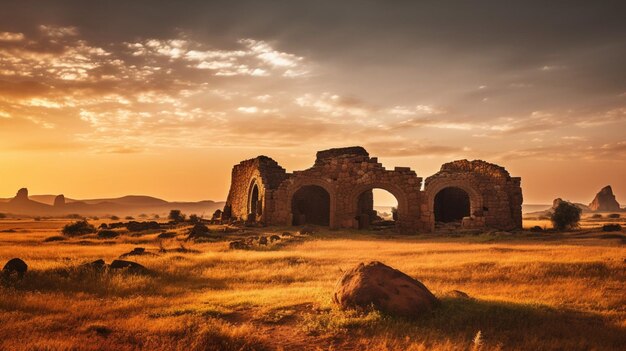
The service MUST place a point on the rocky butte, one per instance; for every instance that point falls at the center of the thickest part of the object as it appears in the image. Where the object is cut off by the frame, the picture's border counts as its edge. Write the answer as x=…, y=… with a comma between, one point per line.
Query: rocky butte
x=337, y=192
x=604, y=201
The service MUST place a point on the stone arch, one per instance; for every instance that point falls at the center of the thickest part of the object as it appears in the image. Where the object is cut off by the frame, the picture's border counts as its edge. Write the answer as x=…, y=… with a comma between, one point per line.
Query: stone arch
x=310, y=183
x=398, y=192
x=436, y=186
x=255, y=201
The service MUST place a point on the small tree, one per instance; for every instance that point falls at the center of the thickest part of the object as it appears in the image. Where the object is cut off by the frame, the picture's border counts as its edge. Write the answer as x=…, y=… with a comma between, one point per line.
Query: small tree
x=176, y=216
x=565, y=216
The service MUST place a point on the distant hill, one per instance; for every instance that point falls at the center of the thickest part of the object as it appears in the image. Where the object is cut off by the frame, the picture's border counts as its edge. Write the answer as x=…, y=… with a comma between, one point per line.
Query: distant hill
x=131, y=205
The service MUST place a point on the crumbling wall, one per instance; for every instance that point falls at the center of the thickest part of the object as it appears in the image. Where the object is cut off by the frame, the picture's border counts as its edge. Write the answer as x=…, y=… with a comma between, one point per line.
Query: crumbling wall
x=495, y=196
x=346, y=174
x=261, y=171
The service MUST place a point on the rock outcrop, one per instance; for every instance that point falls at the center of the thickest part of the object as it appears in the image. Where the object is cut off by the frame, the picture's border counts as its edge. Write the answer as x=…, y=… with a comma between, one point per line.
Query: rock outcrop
x=605, y=201
x=377, y=285
x=21, y=196
x=59, y=201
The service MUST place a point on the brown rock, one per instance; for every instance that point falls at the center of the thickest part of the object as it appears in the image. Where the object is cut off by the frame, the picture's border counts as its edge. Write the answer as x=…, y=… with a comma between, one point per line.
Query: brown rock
x=129, y=266
x=15, y=266
x=604, y=201
x=386, y=289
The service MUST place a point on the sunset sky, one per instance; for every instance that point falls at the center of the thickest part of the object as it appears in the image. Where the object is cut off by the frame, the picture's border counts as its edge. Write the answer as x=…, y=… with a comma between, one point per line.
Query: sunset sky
x=108, y=98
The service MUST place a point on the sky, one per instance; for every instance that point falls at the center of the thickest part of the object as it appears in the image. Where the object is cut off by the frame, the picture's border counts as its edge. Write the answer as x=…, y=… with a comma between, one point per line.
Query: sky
x=162, y=98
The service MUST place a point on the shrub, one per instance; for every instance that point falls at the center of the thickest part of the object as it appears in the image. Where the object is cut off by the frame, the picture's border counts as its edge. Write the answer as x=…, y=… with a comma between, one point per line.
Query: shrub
x=54, y=238
x=566, y=216
x=3, y=215
x=596, y=216
x=115, y=218
x=613, y=215
x=156, y=216
x=143, y=215
x=536, y=229
x=129, y=218
x=176, y=216
x=78, y=228
x=74, y=216
x=611, y=228
x=194, y=218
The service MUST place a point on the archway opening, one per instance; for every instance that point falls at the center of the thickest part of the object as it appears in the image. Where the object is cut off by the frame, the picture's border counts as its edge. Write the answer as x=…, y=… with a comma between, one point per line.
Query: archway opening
x=254, y=205
x=311, y=205
x=451, y=205
x=376, y=209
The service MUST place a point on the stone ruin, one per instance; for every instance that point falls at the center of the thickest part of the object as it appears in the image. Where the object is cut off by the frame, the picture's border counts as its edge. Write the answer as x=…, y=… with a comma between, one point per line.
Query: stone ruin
x=337, y=192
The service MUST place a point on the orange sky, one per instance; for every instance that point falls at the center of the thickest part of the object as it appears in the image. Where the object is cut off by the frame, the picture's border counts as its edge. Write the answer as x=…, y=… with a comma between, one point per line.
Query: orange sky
x=167, y=108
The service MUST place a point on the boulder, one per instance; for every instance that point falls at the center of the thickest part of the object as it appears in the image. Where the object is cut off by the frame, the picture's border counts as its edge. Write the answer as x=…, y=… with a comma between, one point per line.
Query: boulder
x=97, y=265
x=21, y=196
x=384, y=288
x=307, y=230
x=15, y=266
x=274, y=238
x=138, y=251
x=129, y=266
x=263, y=240
x=199, y=231
x=238, y=245
x=604, y=201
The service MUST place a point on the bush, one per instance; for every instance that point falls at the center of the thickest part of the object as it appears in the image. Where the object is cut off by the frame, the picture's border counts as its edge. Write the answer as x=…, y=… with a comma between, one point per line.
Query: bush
x=176, y=216
x=115, y=218
x=566, y=216
x=194, y=218
x=611, y=228
x=3, y=215
x=614, y=215
x=536, y=229
x=74, y=216
x=129, y=218
x=78, y=228
x=596, y=216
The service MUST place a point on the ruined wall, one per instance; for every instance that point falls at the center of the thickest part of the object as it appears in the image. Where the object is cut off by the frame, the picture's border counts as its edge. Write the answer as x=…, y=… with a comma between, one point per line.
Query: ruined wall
x=262, y=171
x=495, y=196
x=346, y=174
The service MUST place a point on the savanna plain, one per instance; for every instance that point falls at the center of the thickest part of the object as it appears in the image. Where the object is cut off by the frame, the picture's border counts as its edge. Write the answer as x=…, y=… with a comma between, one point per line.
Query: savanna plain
x=527, y=290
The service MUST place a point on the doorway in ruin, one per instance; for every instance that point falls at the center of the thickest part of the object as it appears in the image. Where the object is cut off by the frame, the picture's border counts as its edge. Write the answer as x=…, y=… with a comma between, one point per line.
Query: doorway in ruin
x=311, y=205
x=451, y=205
x=254, y=203
x=377, y=209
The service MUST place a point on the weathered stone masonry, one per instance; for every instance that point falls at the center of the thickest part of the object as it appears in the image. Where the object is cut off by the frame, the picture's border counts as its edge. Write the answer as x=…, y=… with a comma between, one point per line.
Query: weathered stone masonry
x=337, y=191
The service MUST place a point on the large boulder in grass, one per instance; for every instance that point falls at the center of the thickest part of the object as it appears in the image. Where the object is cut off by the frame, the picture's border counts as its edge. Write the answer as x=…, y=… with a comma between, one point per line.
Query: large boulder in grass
x=388, y=290
x=15, y=266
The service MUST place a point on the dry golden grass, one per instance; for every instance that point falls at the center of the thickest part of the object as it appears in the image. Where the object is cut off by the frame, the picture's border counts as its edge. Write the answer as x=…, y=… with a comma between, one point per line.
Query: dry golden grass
x=529, y=292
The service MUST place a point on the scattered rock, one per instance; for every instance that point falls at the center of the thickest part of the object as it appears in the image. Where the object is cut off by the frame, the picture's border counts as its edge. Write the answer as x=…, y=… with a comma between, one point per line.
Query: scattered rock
x=307, y=230
x=138, y=251
x=386, y=289
x=134, y=226
x=286, y=234
x=536, y=229
x=458, y=294
x=199, y=231
x=605, y=201
x=611, y=228
x=129, y=266
x=97, y=265
x=274, y=238
x=15, y=266
x=238, y=245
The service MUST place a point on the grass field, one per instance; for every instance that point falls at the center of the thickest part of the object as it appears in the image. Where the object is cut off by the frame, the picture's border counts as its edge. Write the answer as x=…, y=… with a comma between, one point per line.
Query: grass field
x=529, y=291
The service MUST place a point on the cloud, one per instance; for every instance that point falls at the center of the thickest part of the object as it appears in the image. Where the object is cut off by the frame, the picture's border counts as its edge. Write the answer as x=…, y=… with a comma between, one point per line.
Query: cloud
x=406, y=148
x=615, y=152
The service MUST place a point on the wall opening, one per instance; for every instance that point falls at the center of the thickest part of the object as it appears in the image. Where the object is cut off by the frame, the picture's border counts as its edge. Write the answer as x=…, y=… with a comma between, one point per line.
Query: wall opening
x=451, y=205
x=376, y=209
x=254, y=205
x=311, y=205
